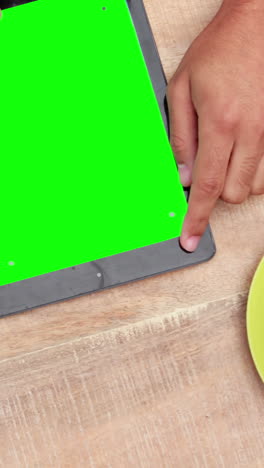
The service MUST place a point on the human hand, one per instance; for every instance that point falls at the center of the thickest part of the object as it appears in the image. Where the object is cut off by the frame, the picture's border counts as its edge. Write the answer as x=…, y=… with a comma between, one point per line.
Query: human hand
x=216, y=104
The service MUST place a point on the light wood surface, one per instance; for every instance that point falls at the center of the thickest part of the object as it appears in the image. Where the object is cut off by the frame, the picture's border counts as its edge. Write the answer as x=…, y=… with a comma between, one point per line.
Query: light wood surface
x=151, y=374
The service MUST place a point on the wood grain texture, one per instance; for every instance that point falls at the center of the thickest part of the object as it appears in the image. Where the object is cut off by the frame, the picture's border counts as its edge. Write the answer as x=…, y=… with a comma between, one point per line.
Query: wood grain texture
x=151, y=374
x=238, y=231
x=175, y=24
x=175, y=391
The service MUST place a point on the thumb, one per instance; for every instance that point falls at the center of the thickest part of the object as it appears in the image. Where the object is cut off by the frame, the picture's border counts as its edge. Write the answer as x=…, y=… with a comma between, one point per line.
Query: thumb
x=183, y=126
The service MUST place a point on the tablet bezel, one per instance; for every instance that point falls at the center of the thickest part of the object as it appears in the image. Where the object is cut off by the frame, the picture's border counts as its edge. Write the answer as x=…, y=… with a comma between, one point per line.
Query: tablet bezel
x=125, y=267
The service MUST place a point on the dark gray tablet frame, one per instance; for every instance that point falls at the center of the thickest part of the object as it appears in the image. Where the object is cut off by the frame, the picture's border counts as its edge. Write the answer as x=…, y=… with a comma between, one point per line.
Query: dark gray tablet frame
x=124, y=267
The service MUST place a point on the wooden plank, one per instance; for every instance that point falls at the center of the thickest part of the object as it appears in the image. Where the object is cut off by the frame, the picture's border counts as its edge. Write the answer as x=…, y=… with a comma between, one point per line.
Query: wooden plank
x=176, y=23
x=176, y=390
x=238, y=230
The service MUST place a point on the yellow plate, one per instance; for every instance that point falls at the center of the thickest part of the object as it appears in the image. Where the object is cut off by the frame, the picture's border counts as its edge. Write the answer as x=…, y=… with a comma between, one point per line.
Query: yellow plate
x=255, y=319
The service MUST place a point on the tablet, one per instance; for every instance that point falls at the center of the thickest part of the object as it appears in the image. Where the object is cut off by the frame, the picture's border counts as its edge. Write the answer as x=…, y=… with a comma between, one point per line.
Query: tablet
x=90, y=191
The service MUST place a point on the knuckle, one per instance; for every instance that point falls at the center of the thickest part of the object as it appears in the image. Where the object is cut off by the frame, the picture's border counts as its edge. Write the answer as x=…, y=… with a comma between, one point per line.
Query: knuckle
x=210, y=187
x=242, y=185
x=246, y=172
x=233, y=197
x=258, y=189
x=224, y=119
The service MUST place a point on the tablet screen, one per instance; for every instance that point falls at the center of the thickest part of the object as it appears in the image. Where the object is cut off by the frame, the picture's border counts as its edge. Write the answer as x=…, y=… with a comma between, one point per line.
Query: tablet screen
x=86, y=169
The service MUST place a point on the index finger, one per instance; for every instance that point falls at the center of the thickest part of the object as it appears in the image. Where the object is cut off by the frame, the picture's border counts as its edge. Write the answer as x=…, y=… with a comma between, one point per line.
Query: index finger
x=214, y=152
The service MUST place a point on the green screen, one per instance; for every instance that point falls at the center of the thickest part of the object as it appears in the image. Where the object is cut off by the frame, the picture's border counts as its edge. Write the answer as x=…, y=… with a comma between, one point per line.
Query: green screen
x=86, y=169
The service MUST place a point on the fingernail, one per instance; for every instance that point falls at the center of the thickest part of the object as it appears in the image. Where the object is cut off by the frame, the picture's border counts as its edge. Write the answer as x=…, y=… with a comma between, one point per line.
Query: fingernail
x=185, y=175
x=191, y=243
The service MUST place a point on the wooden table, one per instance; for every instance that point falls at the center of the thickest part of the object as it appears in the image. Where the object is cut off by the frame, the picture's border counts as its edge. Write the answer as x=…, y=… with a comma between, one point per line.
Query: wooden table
x=151, y=374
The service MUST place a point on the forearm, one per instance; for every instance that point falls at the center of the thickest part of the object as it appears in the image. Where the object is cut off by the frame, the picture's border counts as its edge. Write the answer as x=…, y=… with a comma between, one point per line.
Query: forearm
x=247, y=5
